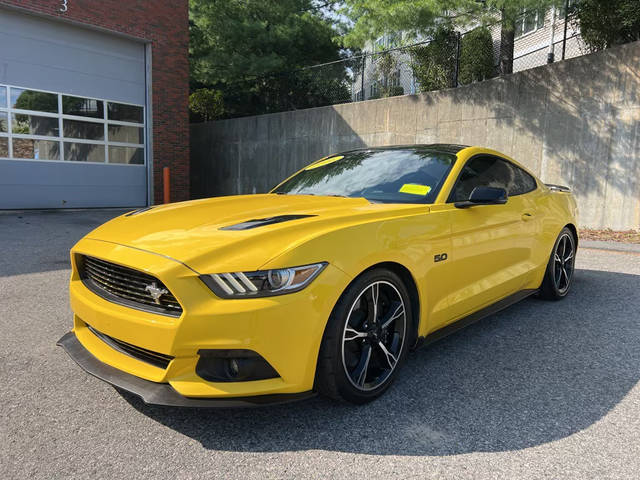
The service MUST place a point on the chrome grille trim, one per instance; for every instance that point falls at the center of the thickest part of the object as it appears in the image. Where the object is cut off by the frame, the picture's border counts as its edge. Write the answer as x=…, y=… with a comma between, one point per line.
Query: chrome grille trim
x=156, y=359
x=125, y=286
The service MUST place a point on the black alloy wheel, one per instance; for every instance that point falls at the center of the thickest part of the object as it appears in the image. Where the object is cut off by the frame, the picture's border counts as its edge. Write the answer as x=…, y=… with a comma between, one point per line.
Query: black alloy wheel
x=560, y=269
x=366, y=338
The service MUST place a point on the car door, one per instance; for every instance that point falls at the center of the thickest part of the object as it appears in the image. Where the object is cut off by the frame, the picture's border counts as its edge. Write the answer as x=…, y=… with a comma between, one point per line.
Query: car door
x=491, y=244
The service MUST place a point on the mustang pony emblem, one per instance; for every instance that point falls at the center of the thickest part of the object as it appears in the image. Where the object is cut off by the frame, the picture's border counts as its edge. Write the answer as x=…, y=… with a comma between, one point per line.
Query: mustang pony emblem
x=156, y=292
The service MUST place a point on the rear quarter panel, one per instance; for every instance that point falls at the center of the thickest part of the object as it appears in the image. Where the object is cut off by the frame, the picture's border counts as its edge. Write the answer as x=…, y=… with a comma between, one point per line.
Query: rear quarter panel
x=555, y=210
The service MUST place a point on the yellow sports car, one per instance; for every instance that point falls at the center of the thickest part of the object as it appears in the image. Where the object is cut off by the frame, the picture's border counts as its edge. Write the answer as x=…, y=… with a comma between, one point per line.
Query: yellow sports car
x=321, y=285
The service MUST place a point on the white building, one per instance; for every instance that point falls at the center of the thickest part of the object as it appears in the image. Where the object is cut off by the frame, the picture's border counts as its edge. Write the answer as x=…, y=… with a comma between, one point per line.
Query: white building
x=538, y=33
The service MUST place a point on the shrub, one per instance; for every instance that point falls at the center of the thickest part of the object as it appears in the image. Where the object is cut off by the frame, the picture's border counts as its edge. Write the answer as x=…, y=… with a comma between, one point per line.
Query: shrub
x=206, y=103
x=434, y=64
x=604, y=23
x=476, y=57
x=395, y=91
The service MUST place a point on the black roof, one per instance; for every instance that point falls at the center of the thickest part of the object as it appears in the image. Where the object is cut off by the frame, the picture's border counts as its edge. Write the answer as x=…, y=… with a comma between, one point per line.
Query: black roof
x=434, y=147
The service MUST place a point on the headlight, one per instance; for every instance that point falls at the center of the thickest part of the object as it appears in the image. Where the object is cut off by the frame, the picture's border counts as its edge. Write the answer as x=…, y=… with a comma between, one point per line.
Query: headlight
x=262, y=283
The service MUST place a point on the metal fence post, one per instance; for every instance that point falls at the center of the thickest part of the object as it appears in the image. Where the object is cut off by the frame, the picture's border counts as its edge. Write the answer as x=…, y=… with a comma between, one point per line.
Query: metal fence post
x=364, y=66
x=566, y=22
x=457, y=68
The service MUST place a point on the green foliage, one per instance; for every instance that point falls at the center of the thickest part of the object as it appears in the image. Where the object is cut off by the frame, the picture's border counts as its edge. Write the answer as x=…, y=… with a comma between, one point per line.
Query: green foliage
x=386, y=64
x=244, y=47
x=395, y=91
x=386, y=67
x=476, y=56
x=604, y=23
x=373, y=18
x=434, y=64
x=39, y=101
x=206, y=103
x=21, y=124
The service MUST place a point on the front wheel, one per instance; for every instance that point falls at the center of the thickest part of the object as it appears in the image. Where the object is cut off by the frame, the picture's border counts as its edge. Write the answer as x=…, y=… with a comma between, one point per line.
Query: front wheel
x=366, y=338
x=559, y=274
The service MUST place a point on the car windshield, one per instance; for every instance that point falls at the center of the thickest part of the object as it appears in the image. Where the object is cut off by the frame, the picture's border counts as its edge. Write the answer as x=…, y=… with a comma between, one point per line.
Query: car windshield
x=386, y=176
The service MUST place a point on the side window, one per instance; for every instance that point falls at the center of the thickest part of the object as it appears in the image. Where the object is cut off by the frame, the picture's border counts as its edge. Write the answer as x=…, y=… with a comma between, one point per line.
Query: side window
x=522, y=182
x=481, y=172
x=491, y=172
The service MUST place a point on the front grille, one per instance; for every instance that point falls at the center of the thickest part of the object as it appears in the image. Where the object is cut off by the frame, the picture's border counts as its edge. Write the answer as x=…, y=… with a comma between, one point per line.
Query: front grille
x=126, y=286
x=154, y=358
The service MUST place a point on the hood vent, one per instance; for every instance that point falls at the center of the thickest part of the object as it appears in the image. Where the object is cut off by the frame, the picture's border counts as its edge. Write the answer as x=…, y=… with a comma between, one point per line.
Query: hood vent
x=140, y=210
x=263, y=222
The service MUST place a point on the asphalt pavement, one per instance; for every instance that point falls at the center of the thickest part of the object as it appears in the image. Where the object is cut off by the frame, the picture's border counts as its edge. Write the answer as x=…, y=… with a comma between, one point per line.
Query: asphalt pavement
x=540, y=390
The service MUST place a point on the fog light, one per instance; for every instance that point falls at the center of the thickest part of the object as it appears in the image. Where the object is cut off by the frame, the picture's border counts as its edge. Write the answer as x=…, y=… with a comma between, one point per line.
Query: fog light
x=233, y=366
x=234, y=370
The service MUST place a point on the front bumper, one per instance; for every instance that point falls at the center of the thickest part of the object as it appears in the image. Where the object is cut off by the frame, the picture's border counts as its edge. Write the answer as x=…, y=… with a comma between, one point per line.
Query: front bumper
x=162, y=393
x=286, y=331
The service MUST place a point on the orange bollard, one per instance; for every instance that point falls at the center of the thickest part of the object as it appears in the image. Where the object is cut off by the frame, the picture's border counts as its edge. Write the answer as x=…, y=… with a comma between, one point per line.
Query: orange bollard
x=167, y=186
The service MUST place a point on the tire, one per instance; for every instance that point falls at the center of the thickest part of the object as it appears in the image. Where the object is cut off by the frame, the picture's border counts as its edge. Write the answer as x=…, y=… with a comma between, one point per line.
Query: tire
x=558, y=276
x=366, y=338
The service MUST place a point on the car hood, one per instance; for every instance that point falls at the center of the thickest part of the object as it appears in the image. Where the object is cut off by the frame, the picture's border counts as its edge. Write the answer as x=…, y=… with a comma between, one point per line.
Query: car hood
x=196, y=233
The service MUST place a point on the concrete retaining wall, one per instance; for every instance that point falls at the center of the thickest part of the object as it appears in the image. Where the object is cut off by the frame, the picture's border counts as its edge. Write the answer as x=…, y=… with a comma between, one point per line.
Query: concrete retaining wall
x=575, y=123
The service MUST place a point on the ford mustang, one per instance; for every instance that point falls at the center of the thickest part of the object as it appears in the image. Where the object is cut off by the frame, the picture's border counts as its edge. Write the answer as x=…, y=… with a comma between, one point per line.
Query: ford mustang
x=320, y=286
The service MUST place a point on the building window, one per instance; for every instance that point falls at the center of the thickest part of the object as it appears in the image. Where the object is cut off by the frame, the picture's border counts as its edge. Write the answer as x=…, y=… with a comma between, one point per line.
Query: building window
x=359, y=96
x=529, y=21
x=37, y=125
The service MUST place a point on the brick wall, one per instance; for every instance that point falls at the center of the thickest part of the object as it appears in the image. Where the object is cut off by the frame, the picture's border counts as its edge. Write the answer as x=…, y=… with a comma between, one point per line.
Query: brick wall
x=165, y=24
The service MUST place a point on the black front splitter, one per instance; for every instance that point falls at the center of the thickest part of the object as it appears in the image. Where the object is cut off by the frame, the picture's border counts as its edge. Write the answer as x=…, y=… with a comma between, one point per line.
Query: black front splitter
x=162, y=393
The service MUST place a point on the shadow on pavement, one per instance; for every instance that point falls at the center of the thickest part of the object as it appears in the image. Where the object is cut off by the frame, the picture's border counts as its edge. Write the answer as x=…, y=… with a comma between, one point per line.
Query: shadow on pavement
x=536, y=372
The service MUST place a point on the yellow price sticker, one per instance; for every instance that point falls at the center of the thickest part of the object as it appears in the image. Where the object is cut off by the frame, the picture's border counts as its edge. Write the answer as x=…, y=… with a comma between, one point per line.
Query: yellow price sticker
x=415, y=189
x=326, y=161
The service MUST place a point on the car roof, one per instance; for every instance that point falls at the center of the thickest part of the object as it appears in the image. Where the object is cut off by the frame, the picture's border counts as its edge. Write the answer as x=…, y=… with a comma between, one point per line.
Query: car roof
x=434, y=147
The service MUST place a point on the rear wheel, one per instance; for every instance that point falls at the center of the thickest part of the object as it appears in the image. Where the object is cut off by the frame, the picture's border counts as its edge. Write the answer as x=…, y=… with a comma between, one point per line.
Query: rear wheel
x=559, y=274
x=366, y=338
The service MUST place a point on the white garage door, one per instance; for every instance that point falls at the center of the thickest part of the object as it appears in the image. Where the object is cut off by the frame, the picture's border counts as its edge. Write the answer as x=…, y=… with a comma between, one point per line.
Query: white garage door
x=72, y=116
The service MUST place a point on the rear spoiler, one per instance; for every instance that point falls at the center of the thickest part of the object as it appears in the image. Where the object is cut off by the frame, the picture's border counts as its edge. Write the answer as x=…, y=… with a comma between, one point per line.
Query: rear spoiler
x=557, y=188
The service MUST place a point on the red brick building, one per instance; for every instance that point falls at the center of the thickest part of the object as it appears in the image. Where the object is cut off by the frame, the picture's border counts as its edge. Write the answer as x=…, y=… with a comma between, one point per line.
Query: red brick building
x=93, y=102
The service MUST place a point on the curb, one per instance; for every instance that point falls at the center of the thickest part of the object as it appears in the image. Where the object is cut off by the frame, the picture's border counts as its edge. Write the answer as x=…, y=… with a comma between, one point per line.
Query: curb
x=612, y=246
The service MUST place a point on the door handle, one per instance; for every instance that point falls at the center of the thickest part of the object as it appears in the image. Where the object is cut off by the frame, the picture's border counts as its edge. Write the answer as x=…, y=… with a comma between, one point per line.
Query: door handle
x=526, y=216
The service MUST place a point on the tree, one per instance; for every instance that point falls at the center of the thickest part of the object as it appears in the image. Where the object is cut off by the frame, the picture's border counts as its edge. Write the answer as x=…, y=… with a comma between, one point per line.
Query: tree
x=206, y=103
x=604, y=23
x=476, y=56
x=255, y=52
x=373, y=18
x=386, y=67
x=434, y=64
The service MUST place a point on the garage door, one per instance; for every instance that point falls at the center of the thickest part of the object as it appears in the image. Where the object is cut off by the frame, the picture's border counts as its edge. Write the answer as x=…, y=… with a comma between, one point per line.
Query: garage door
x=72, y=116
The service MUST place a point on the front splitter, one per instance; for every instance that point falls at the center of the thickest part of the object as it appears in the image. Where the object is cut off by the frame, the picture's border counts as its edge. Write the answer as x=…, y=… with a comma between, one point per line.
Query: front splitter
x=162, y=393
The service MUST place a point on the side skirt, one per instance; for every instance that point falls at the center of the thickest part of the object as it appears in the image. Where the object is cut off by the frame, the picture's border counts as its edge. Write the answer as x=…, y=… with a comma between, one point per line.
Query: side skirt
x=474, y=317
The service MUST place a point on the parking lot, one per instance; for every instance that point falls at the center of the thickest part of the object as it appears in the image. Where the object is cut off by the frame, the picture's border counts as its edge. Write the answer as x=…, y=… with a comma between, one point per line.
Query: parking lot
x=541, y=390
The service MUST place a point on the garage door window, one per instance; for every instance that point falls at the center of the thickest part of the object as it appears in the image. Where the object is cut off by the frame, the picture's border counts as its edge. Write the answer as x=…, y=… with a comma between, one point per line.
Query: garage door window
x=37, y=125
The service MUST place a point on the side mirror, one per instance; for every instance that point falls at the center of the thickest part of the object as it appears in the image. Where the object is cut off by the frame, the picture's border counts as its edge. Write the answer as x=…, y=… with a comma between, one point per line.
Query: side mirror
x=484, y=196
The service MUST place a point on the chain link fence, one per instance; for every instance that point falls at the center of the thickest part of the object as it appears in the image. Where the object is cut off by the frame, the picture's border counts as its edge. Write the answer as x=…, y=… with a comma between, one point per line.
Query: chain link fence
x=387, y=68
